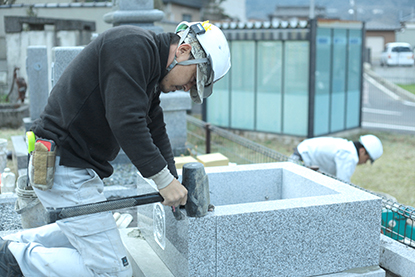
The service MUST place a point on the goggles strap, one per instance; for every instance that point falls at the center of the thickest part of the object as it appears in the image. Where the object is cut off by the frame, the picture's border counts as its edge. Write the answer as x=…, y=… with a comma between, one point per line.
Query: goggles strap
x=173, y=64
x=187, y=62
x=194, y=61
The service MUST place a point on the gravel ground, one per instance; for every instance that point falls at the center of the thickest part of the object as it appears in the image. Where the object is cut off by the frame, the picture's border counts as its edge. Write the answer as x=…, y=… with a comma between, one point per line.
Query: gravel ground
x=9, y=220
x=124, y=174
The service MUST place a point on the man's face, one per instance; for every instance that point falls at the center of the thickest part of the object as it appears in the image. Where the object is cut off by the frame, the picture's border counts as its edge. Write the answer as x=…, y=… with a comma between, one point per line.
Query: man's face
x=181, y=77
x=363, y=156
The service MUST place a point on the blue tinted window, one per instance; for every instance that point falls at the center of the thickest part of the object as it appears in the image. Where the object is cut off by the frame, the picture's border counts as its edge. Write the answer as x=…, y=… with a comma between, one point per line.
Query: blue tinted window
x=295, y=90
x=338, y=84
x=243, y=80
x=218, y=102
x=269, y=74
x=322, y=81
x=354, y=79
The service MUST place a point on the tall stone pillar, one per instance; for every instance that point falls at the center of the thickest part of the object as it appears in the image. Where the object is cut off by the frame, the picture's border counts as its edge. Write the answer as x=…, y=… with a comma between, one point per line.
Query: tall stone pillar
x=37, y=73
x=135, y=12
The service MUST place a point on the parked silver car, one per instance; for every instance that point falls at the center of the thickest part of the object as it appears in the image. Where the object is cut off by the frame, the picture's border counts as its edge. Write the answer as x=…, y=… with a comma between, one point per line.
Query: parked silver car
x=397, y=53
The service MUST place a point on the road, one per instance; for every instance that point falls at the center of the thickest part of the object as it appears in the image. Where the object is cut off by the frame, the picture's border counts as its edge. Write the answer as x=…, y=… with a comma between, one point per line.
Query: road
x=383, y=109
x=396, y=74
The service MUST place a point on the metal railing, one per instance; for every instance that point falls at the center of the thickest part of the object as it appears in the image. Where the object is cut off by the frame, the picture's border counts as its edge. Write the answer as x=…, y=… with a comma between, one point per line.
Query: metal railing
x=205, y=138
x=398, y=221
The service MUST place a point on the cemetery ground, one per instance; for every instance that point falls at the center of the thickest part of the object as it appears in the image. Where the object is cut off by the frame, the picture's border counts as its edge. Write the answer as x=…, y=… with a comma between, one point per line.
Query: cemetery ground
x=392, y=174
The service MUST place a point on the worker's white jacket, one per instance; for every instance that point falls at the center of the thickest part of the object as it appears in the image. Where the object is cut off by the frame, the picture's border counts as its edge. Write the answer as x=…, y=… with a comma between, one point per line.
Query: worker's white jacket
x=335, y=156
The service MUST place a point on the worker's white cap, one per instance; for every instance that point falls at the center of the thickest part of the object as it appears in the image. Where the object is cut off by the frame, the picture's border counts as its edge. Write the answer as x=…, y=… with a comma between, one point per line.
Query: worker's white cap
x=373, y=146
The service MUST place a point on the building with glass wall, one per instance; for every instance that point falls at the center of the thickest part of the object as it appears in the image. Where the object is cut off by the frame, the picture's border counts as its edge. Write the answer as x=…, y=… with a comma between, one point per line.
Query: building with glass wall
x=293, y=78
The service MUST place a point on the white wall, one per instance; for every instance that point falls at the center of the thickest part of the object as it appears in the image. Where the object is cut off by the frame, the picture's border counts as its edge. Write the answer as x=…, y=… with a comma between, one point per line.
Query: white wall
x=376, y=45
x=407, y=34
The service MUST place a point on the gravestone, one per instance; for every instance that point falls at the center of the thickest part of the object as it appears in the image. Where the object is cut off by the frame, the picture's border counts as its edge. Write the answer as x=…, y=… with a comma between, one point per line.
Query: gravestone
x=135, y=12
x=61, y=57
x=174, y=105
x=37, y=73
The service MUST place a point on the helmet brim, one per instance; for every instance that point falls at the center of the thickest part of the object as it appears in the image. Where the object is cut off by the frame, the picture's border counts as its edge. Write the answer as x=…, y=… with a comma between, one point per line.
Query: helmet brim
x=203, y=87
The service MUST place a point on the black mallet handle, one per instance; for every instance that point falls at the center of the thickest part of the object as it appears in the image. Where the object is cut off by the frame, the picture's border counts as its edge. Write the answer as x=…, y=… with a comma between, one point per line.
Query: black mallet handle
x=53, y=214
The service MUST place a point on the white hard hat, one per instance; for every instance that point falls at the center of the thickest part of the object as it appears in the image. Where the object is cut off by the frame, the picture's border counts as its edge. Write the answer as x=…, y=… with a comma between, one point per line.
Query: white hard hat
x=373, y=146
x=213, y=62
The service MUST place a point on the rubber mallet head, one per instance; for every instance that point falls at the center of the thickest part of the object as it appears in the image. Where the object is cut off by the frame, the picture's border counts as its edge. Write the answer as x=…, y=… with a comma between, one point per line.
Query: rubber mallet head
x=196, y=181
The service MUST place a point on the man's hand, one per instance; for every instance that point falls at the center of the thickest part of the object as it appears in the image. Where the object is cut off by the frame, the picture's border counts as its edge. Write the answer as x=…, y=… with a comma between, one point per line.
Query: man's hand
x=175, y=194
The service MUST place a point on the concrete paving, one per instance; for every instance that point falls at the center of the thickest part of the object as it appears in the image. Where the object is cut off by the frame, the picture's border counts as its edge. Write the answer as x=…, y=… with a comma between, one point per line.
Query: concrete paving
x=386, y=106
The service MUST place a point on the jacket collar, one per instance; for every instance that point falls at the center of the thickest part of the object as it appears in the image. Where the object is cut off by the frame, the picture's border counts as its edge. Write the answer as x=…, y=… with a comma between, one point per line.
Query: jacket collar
x=163, y=42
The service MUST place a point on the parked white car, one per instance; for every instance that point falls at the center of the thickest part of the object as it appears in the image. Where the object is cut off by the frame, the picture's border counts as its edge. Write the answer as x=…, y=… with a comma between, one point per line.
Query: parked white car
x=397, y=53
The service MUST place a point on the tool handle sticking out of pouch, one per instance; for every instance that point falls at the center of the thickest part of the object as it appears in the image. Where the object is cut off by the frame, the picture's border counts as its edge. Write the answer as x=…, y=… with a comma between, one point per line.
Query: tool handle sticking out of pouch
x=50, y=144
x=41, y=161
x=30, y=141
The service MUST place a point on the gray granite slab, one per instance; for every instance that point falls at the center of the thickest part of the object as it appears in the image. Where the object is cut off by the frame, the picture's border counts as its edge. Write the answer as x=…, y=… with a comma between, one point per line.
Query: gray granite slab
x=61, y=57
x=281, y=220
x=37, y=73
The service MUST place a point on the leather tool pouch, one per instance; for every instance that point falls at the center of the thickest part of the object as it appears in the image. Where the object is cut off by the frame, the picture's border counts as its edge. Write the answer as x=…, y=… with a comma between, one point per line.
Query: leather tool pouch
x=42, y=164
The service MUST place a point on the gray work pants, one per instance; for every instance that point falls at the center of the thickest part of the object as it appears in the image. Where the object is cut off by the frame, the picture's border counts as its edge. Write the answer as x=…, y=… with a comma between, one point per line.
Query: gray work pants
x=88, y=245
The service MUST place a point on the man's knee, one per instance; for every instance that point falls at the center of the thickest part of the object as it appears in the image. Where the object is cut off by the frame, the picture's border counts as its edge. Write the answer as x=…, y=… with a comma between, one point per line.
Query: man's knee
x=8, y=263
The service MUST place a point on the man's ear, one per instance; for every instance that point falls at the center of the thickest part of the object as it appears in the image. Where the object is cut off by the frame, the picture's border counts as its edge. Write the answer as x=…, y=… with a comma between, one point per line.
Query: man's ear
x=362, y=151
x=183, y=49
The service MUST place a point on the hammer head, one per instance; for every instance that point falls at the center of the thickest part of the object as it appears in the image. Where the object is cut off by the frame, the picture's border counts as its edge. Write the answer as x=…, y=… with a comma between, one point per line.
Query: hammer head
x=196, y=181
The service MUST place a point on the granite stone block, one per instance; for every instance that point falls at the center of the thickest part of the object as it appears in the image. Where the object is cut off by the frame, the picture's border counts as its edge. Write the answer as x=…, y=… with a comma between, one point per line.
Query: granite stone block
x=368, y=271
x=61, y=58
x=37, y=73
x=258, y=184
x=129, y=5
x=179, y=250
x=175, y=101
x=135, y=12
x=276, y=219
x=175, y=105
x=397, y=257
x=20, y=158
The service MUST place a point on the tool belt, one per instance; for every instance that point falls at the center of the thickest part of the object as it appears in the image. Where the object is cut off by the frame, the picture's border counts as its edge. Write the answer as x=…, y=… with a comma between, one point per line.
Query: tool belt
x=42, y=164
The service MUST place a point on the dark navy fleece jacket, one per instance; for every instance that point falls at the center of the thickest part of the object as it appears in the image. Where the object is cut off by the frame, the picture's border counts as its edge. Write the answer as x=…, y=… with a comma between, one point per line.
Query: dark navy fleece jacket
x=108, y=98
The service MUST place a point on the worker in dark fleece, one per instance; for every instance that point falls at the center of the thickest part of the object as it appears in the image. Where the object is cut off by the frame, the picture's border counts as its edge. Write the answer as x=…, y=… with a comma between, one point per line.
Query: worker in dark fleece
x=337, y=156
x=107, y=98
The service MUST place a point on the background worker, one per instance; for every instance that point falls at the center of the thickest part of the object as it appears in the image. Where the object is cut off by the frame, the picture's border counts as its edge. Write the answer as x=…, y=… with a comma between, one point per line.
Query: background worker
x=338, y=156
x=107, y=98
